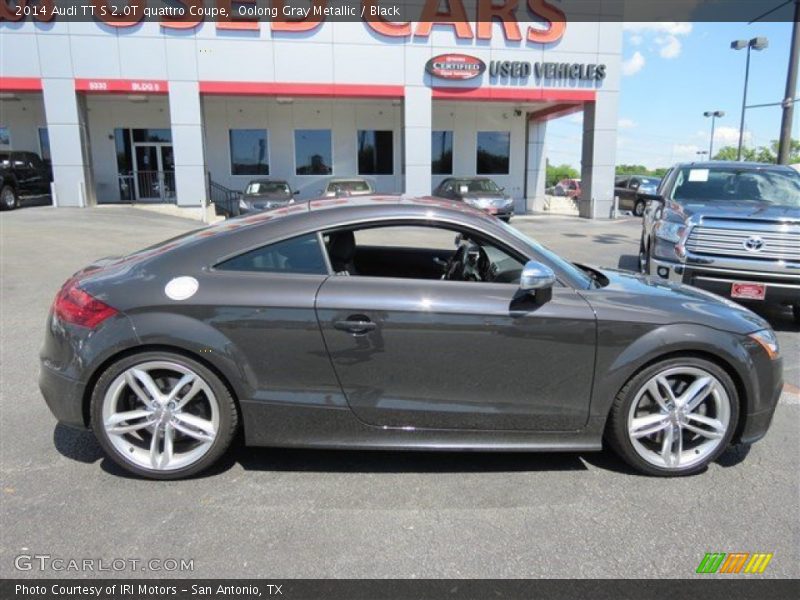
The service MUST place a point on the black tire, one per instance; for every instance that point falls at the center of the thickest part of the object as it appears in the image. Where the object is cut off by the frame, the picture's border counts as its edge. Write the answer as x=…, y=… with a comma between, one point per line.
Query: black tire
x=638, y=208
x=796, y=313
x=228, y=415
x=644, y=258
x=505, y=219
x=616, y=433
x=8, y=198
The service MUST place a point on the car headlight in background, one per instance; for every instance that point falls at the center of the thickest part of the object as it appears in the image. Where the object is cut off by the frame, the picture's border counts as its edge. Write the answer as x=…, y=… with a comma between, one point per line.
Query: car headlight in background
x=670, y=232
x=767, y=339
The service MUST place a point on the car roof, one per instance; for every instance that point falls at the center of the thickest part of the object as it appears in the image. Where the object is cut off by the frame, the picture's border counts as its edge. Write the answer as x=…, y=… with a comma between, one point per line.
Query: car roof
x=731, y=164
x=267, y=180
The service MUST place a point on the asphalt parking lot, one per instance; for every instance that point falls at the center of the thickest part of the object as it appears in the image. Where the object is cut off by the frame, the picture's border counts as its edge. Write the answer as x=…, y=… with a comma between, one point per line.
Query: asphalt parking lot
x=281, y=513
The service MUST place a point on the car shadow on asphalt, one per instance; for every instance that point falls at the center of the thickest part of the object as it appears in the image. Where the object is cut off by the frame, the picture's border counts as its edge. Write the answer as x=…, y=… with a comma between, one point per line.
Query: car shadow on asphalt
x=81, y=446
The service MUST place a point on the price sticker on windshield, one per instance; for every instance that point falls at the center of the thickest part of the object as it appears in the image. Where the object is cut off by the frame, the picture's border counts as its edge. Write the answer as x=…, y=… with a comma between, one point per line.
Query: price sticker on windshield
x=698, y=175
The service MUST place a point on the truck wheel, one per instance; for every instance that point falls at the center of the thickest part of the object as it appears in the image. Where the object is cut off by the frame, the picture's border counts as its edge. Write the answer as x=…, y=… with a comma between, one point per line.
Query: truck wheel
x=8, y=198
x=638, y=208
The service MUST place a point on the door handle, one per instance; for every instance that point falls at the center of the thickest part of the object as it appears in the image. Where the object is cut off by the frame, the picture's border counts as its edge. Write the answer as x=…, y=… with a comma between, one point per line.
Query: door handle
x=357, y=325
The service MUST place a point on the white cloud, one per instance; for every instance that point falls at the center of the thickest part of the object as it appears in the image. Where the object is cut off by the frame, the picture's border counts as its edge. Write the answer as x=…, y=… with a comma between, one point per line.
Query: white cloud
x=669, y=28
x=685, y=152
x=633, y=65
x=664, y=35
x=627, y=124
x=729, y=136
x=671, y=47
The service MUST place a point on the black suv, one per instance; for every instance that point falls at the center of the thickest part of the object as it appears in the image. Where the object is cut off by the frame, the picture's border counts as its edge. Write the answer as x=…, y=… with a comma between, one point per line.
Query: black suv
x=22, y=174
x=732, y=228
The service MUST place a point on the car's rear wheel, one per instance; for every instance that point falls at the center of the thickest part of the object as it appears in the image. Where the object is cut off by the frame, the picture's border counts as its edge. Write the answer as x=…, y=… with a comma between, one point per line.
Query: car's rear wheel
x=8, y=198
x=674, y=417
x=163, y=415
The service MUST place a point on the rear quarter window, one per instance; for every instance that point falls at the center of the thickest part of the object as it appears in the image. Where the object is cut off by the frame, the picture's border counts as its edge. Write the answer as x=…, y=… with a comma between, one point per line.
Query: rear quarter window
x=301, y=255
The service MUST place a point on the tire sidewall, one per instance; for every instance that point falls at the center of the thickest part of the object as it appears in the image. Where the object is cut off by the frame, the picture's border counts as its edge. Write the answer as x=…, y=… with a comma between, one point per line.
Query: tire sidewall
x=638, y=208
x=14, y=196
x=618, y=430
x=227, y=414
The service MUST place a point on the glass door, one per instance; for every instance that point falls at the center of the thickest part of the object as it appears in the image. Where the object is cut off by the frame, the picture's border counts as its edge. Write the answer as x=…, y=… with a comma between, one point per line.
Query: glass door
x=147, y=158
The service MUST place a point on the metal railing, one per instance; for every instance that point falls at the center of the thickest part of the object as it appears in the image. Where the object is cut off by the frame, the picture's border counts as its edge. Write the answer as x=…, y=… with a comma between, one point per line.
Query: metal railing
x=225, y=200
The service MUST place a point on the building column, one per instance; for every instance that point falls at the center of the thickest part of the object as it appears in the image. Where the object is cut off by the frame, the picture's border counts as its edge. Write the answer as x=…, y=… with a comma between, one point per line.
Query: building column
x=599, y=156
x=186, y=122
x=536, y=167
x=65, y=112
x=417, y=140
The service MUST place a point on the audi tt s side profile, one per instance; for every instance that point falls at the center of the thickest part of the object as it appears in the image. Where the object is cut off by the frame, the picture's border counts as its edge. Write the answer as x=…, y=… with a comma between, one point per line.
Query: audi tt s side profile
x=389, y=323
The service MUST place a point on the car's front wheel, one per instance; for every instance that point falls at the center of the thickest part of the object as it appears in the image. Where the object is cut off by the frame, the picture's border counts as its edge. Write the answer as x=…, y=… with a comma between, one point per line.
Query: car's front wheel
x=674, y=417
x=8, y=198
x=163, y=415
x=638, y=208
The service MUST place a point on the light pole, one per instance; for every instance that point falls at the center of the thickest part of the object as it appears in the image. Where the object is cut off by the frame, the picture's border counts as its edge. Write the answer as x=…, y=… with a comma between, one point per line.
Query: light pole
x=714, y=115
x=757, y=43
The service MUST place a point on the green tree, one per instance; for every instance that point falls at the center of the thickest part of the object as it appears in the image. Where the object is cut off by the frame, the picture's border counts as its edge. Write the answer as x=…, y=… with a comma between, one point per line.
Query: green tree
x=763, y=154
x=556, y=173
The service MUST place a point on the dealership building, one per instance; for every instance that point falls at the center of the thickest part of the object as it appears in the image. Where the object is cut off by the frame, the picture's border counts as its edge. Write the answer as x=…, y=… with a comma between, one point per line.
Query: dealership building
x=171, y=113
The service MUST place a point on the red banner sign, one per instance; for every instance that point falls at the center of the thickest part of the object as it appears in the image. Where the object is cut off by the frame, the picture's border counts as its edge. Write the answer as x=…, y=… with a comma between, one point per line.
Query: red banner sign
x=122, y=86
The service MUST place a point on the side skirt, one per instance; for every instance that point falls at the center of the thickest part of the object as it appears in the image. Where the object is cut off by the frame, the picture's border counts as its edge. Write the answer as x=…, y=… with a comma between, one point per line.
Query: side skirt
x=335, y=427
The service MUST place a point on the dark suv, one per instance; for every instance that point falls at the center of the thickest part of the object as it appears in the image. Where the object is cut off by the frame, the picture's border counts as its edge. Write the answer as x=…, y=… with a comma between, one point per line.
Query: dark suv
x=22, y=174
x=732, y=228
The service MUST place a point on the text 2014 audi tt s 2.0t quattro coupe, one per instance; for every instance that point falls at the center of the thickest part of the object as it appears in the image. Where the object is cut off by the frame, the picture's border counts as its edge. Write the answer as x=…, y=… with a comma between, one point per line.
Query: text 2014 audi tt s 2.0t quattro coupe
x=391, y=323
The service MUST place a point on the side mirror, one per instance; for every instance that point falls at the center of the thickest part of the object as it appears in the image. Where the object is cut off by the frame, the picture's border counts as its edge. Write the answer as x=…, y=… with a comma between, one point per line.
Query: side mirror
x=536, y=276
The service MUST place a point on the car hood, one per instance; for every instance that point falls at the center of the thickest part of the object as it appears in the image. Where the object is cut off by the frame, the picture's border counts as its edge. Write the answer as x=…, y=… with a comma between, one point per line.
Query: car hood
x=630, y=296
x=727, y=209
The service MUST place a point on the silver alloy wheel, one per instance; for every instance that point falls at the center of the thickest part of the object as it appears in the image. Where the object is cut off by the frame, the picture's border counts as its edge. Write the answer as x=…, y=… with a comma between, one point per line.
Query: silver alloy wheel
x=160, y=415
x=679, y=417
x=9, y=199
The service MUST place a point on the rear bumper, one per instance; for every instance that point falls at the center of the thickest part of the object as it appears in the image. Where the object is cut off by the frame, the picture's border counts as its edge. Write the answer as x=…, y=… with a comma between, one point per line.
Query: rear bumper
x=64, y=397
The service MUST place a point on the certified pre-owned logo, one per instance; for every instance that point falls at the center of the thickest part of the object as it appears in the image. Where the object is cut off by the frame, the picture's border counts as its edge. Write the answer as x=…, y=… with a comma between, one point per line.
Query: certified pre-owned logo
x=455, y=66
x=753, y=244
x=734, y=562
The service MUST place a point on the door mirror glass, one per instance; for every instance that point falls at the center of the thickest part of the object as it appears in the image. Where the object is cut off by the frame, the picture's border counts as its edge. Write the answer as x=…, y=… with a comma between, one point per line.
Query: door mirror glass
x=536, y=276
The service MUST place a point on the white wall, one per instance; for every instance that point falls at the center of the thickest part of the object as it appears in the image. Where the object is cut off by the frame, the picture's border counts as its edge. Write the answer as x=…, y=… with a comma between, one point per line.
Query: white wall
x=343, y=117
x=23, y=116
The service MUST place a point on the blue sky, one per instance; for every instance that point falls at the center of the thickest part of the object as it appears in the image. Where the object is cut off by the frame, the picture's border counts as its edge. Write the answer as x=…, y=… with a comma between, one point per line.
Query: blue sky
x=672, y=73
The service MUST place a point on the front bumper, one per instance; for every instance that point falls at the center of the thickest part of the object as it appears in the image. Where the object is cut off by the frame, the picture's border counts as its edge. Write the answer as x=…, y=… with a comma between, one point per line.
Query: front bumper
x=64, y=396
x=505, y=212
x=780, y=288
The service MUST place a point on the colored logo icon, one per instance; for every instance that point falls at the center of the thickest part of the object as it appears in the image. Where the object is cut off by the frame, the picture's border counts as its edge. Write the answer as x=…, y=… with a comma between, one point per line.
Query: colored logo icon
x=734, y=562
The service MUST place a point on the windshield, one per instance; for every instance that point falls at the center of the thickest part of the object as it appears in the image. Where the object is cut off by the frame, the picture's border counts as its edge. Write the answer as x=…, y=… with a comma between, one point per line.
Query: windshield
x=469, y=186
x=771, y=186
x=268, y=187
x=350, y=186
x=566, y=266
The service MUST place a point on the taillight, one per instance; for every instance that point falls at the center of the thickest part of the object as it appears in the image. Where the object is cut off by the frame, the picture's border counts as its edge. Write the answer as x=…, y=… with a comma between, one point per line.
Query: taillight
x=75, y=306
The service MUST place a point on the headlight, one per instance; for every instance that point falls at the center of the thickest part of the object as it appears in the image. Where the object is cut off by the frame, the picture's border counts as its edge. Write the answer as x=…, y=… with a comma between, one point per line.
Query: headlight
x=767, y=339
x=670, y=232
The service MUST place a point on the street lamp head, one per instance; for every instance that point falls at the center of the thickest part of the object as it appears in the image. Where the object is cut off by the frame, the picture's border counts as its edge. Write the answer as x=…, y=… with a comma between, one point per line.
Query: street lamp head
x=759, y=43
x=739, y=44
x=714, y=113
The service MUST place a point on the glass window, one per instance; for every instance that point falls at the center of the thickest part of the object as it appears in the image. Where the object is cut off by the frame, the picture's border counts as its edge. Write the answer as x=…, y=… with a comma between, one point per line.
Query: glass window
x=442, y=152
x=297, y=255
x=152, y=135
x=122, y=143
x=44, y=144
x=312, y=152
x=494, y=149
x=421, y=252
x=249, y=152
x=375, y=152
x=723, y=184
